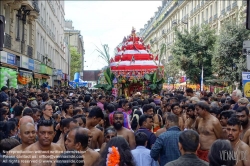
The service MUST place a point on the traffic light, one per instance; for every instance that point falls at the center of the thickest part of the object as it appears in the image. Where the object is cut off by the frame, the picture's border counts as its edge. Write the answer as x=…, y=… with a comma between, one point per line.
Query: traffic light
x=248, y=15
x=2, y=25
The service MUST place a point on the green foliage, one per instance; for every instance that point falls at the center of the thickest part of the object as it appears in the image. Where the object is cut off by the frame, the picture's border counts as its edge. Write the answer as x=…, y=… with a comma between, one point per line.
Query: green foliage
x=155, y=84
x=104, y=54
x=172, y=72
x=228, y=60
x=75, y=63
x=193, y=49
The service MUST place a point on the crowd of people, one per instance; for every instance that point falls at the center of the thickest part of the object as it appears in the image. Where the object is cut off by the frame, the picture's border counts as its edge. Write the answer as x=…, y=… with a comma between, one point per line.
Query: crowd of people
x=76, y=127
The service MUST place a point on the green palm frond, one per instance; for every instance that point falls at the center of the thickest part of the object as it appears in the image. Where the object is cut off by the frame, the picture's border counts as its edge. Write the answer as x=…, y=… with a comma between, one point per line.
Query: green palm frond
x=104, y=54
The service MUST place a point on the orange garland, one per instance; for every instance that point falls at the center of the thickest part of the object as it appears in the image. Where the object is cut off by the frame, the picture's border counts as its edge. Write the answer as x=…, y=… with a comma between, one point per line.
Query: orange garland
x=113, y=158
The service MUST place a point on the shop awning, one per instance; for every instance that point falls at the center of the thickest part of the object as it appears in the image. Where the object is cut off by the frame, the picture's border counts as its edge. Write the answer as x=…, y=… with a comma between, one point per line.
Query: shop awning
x=9, y=66
x=46, y=77
x=38, y=76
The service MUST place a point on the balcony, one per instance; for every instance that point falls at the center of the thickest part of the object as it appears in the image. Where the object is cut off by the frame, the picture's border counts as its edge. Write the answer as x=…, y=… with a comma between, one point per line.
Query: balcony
x=198, y=6
x=228, y=8
x=30, y=51
x=215, y=16
x=35, y=5
x=223, y=12
x=7, y=41
x=28, y=4
x=234, y=5
x=210, y=19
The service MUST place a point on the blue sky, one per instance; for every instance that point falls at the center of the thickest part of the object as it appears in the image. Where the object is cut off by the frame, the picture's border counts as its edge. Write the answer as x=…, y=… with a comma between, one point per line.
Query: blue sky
x=107, y=22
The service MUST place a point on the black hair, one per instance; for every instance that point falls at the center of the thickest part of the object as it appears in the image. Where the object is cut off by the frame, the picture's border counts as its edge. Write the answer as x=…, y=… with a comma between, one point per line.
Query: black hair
x=234, y=121
x=92, y=103
x=66, y=122
x=203, y=105
x=241, y=109
x=189, y=139
x=191, y=106
x=81, y=137
x=13, y=101
x=216, y=110
x=226, y=114
x=111, y=108
x=69, y=158
x=146, y=107
x=215, y=151
x=141, y=139
x=143, y=118
x=96, y=112
x=126, y=157
x=75, y=111
x=66, y=106
x=35, y=110
x=17, y=110
x=46, y=123
x=175, y=104
x=27, y=112
x=189, y=90
x=226, y=107
x=9, y=126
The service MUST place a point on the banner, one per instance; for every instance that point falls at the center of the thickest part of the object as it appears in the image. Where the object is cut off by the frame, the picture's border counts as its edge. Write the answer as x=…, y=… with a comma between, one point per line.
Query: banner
x=246, y=83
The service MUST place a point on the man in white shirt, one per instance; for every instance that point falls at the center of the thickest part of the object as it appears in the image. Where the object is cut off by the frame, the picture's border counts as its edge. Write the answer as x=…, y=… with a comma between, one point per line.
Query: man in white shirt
x=141, y=154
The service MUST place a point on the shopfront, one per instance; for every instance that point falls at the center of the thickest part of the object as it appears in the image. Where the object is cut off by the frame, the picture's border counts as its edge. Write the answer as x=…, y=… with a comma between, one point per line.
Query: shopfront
x=25, y=75
x=37, y=81
x=57, y=77
x=46, y=73
x=8, y=74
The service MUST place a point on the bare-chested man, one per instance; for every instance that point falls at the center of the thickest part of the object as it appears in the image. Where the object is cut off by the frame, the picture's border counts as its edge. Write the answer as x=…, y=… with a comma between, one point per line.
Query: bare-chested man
x=43, y=152
x=65, y=126
x=191, y=117
x=246, y=137
x=224, y=116
x=122, y=131
x=77, y=139
x=242, y=114
x=28, y=135
x=241, y=149
x=208, y=127
x=94, y=117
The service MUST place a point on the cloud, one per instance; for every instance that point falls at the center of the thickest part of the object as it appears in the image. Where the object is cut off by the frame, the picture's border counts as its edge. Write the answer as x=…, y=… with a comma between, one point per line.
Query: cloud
x=107, y=22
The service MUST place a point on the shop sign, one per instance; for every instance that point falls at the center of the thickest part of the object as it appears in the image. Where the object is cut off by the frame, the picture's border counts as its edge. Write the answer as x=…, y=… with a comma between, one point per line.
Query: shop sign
x=24, y=62
x=43, y=68
x=3, y=56
x=11, y=59
x=37, y=66
x=31, y=64
x=59, y=72
x=49, y=70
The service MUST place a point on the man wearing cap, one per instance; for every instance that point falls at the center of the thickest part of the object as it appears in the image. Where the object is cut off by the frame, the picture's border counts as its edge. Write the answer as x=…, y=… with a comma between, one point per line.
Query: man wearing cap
x=3, y=94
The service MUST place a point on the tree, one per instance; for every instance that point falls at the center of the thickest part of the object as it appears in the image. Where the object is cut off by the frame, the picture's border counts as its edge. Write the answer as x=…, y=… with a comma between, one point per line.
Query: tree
x=172, y=72
x=75, y=63
x=228, y=60
x=194, y=49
